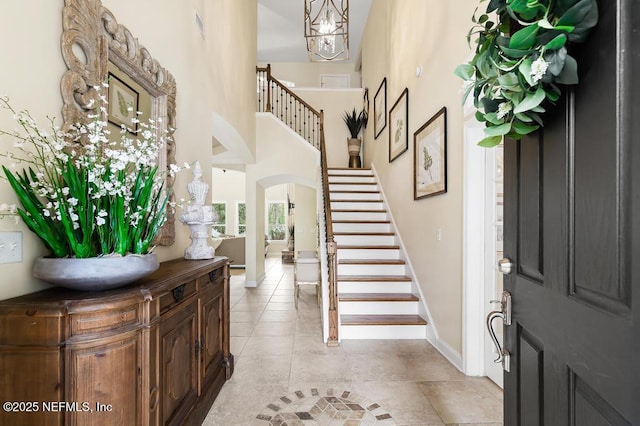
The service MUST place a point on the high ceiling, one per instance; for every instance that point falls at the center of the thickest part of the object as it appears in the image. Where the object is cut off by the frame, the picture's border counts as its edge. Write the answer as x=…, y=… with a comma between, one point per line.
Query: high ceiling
x=281, y=30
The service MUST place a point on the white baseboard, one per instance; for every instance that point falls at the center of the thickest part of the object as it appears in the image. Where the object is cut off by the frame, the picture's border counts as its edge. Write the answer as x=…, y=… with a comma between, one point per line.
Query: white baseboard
x=448, y=352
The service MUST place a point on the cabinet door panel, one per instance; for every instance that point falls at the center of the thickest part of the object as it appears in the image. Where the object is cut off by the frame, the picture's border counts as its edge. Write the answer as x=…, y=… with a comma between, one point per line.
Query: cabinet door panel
x=105, y=383
x=212, y=330
x=43, y=384
x=178, y=367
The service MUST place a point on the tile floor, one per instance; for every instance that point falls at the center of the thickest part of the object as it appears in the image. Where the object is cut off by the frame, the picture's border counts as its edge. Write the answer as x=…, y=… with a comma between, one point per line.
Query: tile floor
x=286, y=375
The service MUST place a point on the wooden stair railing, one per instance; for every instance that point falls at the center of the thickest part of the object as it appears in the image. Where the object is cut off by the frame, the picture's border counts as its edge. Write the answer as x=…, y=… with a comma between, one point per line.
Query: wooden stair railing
x=276, y=98
x=332, y=252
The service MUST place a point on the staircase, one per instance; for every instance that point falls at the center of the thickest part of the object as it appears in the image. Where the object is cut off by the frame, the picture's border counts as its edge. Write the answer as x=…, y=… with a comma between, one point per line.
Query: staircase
x=374, y=291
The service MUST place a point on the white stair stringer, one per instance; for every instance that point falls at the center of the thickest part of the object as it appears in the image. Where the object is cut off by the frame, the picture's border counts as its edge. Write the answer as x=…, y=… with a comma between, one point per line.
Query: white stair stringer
x=374, y=287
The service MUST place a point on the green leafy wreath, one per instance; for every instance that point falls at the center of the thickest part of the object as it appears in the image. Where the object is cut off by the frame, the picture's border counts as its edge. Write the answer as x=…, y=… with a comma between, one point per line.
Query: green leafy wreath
x=520, y=60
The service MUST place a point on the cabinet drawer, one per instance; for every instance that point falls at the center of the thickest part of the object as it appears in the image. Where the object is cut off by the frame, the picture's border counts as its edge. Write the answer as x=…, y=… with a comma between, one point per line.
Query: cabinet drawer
x=212, y=277
x=177, y=295
x=99, y=321
x=31, y=329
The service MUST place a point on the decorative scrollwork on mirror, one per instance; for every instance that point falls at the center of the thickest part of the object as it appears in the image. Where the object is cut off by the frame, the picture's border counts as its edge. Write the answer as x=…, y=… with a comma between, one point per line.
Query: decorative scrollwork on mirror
x=93, y=43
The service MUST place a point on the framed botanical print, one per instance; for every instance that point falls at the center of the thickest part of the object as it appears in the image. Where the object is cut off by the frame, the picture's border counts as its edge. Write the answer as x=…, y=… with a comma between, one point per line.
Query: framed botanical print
x=123, y=103
x=398, y=126
x=380, y=109
x=430, y=157
x=365, y=108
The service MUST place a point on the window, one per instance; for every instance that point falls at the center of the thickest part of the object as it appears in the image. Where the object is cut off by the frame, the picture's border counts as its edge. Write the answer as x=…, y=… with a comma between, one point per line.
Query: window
x=276, y=227
x=242, y=218
x=220, y=225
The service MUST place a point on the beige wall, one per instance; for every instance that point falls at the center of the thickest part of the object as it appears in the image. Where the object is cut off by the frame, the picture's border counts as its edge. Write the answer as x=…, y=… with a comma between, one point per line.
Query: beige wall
x=334, y=102
x=211, y=76
x=307, y=74
x=306, y=218
x=401, y=35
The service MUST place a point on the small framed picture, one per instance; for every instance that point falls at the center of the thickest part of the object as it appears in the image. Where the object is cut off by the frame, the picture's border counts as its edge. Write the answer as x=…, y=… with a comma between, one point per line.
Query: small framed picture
x=365, y=107
x=430, y=157
x=380, y=109
x=398, y=125
x=123, y=103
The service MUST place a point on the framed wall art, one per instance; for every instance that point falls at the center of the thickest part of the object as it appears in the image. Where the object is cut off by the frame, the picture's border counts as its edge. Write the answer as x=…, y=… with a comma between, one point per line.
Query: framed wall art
x=365, y=107
x=398, y=126
x=380, y=109
x=123, y=103
x=430, y=157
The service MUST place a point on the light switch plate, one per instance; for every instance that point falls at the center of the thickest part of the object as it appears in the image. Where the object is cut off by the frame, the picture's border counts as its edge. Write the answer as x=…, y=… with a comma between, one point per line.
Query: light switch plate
x=10, y=247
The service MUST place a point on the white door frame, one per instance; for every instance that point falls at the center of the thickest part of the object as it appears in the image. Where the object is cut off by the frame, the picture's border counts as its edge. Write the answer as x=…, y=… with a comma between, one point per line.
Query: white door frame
x=473, y=256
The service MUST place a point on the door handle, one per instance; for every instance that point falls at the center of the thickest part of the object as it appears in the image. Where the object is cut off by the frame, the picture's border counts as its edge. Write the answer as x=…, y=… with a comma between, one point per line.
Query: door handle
x=505, y=314
x=505, y=265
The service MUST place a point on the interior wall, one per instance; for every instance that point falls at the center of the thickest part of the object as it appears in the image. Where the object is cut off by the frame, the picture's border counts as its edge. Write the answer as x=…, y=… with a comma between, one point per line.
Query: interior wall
x=334, y=103
x=307, y=74
x=211, y=75
x=399, y=37
x=281, y=157
x=229, y=186
x=306, y=213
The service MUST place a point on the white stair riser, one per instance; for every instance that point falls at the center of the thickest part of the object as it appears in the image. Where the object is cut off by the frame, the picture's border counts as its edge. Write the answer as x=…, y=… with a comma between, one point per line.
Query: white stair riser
x=361, y=227
x=355, y=196
x=371, y=269
x=359, y=216
x=346, y=205
x=374, y=287
x=379, y=308
x=349, y=172
x=365, y=240
x=352, y=179
x=368, y=254
x=388, y=332
x=353, y=187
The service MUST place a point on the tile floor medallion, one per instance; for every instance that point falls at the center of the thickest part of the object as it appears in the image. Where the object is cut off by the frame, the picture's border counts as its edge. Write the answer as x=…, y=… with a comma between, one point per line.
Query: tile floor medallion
x=318, y=406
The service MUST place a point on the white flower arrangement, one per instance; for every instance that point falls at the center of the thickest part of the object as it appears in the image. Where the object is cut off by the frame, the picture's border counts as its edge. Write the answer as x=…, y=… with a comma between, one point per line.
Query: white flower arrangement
x=83, y=192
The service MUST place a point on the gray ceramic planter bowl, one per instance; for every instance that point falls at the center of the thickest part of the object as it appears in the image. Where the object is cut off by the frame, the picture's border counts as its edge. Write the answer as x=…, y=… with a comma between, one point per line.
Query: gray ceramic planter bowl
x=95, y=273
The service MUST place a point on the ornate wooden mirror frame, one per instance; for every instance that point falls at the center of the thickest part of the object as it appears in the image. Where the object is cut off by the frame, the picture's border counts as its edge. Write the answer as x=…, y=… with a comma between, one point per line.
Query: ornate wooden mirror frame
x=92, y=39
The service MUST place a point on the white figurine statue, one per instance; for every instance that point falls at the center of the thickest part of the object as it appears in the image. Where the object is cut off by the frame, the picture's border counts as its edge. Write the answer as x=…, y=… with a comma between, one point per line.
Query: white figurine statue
x=198, y=218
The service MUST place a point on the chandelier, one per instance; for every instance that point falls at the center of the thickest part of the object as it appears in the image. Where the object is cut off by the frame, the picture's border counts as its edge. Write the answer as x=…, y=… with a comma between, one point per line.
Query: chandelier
x=326, y=29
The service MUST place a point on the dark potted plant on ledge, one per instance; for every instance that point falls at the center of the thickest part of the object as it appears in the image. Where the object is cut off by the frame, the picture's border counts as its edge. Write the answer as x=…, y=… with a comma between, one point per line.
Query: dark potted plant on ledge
x=354, y=122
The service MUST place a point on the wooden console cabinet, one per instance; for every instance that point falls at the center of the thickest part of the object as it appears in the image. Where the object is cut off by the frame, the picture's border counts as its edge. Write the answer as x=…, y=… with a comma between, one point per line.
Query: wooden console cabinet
x=152, y=353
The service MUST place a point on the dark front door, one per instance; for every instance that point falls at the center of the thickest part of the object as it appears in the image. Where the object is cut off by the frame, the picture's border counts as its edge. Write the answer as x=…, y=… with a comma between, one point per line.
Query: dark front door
x=572, y=232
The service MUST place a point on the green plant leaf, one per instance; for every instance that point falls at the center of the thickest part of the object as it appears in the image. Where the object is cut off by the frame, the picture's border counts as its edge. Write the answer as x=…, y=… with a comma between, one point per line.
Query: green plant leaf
x=576, y=13
x=583, y=27
x=499, y=130
x=516, y=53
x=489, y=105
x=464, y=71
x=525, y=71
x=569, y=74
x=556, y=59
x=492, y=118
x=524, y=38
x=523, y=129
x=557, y=42
x=480, y=116
x=509, y=79
x=524, y=118
x=495, y=5
x=531, y=101
x=490, y=142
